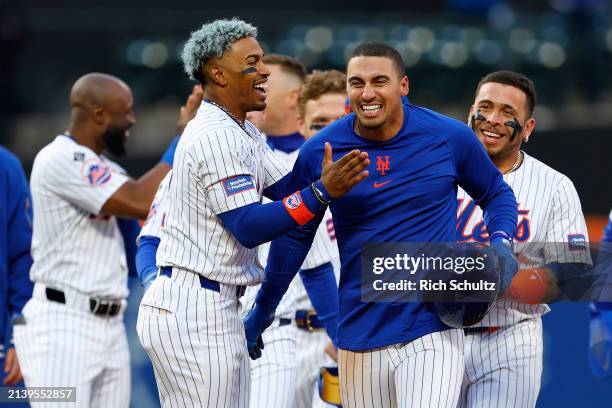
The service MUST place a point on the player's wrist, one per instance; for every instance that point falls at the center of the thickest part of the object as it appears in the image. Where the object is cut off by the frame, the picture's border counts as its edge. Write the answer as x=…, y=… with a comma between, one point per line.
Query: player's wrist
x=168, y=156
x=501, y=237
x=320, y=192
x=303, y=205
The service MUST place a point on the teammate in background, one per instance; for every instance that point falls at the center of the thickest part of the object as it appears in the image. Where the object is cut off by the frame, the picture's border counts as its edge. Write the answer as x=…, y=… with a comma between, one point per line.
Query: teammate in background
x=188, y=321
x=148, y=239
x=278, y=367
x=321, y=102
x=15, y=260
x=287, y=360
x=393, y=354
x=279, y=122
x=600, y=327
x=73, y=335
x=503, y=353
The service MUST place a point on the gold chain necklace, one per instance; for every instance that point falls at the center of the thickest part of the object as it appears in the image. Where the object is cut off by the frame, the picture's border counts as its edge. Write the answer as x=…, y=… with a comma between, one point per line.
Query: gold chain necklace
x=519, y=156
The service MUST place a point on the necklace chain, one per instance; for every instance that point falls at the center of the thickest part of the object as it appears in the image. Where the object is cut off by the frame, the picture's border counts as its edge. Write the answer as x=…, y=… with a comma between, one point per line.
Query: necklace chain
x=235, y=119
x=519, y=156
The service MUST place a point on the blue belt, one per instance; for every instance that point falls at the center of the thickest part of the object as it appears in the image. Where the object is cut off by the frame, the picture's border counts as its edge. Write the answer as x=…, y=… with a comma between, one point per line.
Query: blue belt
x=204, y=282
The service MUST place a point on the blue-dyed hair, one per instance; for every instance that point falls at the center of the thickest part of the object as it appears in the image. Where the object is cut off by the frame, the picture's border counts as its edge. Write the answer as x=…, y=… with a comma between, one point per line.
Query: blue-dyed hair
x=212, y=40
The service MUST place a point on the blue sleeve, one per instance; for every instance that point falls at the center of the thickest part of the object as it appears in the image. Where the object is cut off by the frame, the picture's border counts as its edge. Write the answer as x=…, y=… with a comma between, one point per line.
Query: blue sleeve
x=604, y=264
x=278, y=190
x=168, y=156
x=285, y=258
x=479, y=177
x=145, y=259
x=129, y=230
x=320, y=284
x=288, y=252
x=20, y=240
x=255, y=224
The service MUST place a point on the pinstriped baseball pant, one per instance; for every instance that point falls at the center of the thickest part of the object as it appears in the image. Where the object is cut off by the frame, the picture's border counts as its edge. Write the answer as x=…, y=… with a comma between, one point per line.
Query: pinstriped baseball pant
x=195, y=339
x=503, y=368
x=64, y=347
x=311, y=357
x=426, y=372
x=273, y=374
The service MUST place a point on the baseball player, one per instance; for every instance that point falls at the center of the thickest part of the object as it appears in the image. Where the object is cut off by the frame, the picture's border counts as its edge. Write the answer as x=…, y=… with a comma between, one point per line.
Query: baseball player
x=189, y=320
x=15, y=260
x=600, y=326
x=503, y=354
x=393, y=354
x=277, y=367
x=321, y=101
x=149, y=236
x=73, y=334
x=293, y=357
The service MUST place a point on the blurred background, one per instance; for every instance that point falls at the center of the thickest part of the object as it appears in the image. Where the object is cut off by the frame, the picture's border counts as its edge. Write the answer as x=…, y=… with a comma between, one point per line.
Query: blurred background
x=565, y=46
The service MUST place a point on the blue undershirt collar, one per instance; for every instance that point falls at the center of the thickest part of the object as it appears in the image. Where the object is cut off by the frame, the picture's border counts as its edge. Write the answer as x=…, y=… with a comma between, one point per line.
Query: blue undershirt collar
x=286, y=143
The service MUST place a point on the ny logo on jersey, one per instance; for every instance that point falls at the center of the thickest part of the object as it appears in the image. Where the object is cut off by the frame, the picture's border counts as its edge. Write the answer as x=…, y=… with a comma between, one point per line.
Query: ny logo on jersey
x=382, y=166
x=479, y=231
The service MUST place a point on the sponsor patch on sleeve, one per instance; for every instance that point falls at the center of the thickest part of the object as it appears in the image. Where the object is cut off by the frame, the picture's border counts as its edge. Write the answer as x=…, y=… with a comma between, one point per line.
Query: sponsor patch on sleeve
x=237, y=184
x=576, y=242
x=95, y=172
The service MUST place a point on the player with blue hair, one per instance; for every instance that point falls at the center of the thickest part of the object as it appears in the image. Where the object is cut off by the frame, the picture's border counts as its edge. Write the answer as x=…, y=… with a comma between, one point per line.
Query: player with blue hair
x=189, y=321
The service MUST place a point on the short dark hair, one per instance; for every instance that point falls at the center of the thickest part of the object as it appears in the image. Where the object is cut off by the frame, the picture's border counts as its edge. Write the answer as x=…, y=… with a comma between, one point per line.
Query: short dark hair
x=516, y=80
x=380, y=49
x=288, y=64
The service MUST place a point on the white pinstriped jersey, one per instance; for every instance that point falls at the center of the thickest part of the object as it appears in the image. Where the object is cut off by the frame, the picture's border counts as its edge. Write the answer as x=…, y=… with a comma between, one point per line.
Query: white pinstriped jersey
x=218, y=167
x=551, y=228
x=73, y=246
x=323, y=250
x=157, y=213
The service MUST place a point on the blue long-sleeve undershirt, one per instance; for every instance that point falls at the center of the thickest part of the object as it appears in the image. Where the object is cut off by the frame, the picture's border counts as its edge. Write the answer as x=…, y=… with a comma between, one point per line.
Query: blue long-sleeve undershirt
x=145, y=258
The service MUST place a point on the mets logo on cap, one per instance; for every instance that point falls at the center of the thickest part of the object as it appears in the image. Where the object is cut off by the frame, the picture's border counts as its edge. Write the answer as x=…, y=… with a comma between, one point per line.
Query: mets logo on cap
x=95, y=172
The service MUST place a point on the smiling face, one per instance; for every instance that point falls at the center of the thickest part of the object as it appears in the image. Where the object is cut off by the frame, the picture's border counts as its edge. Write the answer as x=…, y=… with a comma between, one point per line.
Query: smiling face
x=375, y=88
x=242, y=75
x=499, y=104
x=120, y=118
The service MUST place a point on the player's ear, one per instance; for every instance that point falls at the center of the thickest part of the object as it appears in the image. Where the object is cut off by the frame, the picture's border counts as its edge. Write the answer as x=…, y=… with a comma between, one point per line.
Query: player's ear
x=470, y=113
x=404, y=86
x=215, y=73
x=301, y=125
x=98, y=115
x=292, y=98
x=528, y=128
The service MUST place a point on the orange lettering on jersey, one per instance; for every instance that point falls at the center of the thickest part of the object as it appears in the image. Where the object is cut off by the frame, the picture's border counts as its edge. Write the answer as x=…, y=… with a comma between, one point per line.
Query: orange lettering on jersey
x=479, y=231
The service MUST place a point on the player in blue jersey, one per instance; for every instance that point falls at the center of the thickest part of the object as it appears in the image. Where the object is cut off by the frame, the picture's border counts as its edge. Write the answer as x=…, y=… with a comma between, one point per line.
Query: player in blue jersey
x=600, y=327
x=393, y=354
x=15, y=259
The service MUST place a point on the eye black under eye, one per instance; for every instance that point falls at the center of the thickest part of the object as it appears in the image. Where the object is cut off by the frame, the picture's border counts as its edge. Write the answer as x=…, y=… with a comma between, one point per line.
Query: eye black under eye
x=316, y=126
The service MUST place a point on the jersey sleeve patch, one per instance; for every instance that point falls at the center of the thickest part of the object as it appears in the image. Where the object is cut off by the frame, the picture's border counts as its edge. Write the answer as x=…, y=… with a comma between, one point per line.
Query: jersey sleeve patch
x=95, y=173
x=237, y=184
x=576, y=242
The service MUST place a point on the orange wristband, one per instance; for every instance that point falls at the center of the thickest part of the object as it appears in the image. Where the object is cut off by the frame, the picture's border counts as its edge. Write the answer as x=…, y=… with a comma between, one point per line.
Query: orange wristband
x=294, y=204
